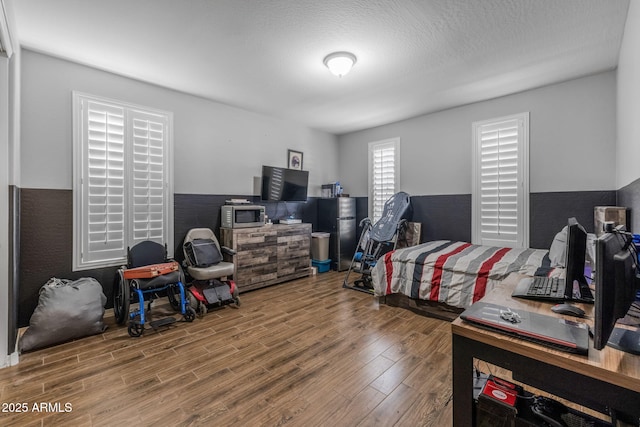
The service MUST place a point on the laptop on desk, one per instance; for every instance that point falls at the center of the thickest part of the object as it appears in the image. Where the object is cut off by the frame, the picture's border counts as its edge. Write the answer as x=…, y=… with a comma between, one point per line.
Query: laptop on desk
x=574, y=286
x=550, y=331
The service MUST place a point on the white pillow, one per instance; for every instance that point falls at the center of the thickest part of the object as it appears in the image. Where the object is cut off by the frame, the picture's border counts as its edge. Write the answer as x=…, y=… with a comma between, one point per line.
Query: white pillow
x=558, y=248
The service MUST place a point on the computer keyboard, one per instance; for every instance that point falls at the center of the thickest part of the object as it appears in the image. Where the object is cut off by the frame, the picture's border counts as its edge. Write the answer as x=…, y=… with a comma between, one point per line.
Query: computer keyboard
x=546, y=287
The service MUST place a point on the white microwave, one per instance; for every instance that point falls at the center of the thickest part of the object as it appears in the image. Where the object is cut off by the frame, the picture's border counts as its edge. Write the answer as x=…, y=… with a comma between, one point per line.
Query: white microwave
x=241, y=216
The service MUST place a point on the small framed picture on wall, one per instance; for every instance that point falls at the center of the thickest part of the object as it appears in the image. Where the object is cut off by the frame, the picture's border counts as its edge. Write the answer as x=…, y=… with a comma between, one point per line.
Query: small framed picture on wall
x=294, y=159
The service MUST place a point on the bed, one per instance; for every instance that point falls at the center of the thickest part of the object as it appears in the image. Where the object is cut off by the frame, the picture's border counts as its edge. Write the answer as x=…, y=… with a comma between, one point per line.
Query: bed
x=444, y=277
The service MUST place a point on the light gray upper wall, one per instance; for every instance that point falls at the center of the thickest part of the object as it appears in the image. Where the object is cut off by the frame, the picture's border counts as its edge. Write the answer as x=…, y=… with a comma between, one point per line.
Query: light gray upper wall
x=218, y=149
x=572, y=141
x=628, y=137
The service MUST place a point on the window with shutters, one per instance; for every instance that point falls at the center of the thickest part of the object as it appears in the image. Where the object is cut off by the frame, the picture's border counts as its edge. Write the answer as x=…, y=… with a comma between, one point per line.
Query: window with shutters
x=501, y=181
x=122, y=183
x=384, y=174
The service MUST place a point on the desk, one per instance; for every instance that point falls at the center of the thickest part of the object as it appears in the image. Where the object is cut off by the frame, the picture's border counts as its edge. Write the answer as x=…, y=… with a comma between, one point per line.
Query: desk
x=603, y=380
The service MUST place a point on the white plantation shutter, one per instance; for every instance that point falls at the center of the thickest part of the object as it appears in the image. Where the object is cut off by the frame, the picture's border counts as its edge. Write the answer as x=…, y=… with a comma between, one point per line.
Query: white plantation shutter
x=122, y=180
x=500, y=205
x=148, y=178
x=383, y=174
x=103, y=189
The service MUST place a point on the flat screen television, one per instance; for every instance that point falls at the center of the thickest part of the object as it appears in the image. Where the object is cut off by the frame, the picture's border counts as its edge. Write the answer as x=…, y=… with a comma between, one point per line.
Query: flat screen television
x=616, y=284
x=284, y=185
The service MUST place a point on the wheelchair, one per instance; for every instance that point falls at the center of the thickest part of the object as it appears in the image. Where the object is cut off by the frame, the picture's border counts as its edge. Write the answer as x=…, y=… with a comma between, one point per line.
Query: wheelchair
x=147, y=276
x=210, y=286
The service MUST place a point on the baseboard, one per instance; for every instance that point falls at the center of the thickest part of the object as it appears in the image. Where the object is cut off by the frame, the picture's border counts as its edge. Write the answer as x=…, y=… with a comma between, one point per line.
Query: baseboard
x=10, y=360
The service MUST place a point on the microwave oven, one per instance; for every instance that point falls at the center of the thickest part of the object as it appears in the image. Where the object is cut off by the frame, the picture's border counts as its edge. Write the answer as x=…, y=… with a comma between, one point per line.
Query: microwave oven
x=240, y=216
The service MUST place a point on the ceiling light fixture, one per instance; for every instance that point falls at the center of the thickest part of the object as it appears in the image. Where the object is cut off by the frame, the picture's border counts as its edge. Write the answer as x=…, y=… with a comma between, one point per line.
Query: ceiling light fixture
x=340, y=63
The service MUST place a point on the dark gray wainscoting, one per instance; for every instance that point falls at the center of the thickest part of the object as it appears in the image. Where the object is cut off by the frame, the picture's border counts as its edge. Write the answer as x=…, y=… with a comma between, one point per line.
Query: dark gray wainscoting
x=549, y=212
x=449, y=216
x=629, y=196
x=14, y=265
x=443, y=217
x=46, y=247
x=46, y=237
x=45, y=227
x=197, y=210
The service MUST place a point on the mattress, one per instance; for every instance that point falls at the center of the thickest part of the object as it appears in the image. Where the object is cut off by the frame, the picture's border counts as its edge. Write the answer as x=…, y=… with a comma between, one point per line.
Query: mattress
x=451, y=272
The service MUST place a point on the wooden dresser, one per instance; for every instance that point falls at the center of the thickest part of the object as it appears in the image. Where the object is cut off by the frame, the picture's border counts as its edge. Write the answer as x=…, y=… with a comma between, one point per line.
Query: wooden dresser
x=268, y=255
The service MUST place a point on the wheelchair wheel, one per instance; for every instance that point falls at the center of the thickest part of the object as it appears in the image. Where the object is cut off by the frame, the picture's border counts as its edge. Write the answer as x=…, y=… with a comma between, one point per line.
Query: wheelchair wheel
x=173, y=292
x=194, y=304
x=190, y=314
x=135, y=329
x=173, y=295
x=120, y=297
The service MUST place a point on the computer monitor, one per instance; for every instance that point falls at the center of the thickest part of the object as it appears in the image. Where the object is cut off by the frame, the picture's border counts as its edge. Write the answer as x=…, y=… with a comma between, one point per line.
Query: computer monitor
x=616, y=283
x=575, y=253
x=574, y=286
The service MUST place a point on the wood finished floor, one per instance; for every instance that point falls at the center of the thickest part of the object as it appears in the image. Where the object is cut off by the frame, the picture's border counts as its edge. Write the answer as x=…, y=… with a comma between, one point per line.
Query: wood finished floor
x=303, y=353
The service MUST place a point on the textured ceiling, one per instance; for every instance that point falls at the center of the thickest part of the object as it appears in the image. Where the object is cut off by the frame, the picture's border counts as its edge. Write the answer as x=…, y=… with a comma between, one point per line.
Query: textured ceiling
x=414, y=56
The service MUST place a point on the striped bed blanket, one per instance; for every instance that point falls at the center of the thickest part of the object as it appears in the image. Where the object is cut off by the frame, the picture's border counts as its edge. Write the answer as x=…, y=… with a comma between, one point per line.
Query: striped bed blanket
x=454, y=273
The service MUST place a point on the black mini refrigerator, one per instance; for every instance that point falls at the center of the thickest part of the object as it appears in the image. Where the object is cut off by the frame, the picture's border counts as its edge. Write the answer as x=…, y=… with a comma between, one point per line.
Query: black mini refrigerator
x=337, y=216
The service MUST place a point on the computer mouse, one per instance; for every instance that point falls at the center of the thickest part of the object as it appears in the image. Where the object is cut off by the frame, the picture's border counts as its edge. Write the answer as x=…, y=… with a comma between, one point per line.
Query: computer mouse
x=568, y=309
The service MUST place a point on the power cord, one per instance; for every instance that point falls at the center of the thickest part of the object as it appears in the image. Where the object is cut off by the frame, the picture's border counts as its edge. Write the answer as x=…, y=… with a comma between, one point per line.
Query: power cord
x=628, y=245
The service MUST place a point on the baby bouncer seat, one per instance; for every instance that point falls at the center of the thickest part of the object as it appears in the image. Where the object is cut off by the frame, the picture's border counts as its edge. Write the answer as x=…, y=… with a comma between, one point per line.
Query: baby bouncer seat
x=377, y=239
x=148, y=275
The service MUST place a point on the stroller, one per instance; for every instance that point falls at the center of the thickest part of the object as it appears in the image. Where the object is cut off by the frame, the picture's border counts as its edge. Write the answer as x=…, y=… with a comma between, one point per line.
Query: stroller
x=378, y=239
x=147, y=275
